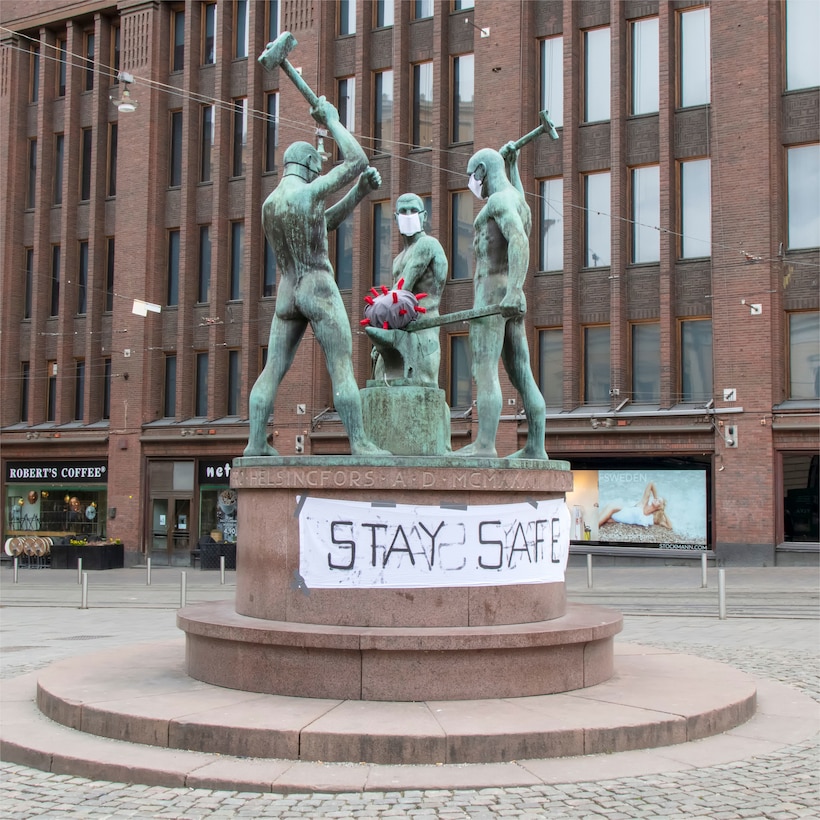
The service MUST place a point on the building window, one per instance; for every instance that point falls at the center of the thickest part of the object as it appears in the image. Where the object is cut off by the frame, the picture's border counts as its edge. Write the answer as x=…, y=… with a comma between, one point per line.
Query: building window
x=645, y=66
x=175, y=164
x=695, y=59
x=61, y=66
x=206, y=144
x=463, y=5
x=551, y=246
x=596, y=364
x=696, y=360
x=696, y=208
x=237, y=260
x=51, y=391
x=209, y=34
x=234, y=382
x=113, y=134
x=203, y=291
x=59, y=158
x=646, y=363
x=109, y=274
x=597, y=91
x=82, y=280
x=29, y=283
x=271, y=130
x=461, y=378
x=802, y=25
x=384, y=13
x=272, y=13
x=551, y=365
x=344, y=254
x=240, y=136
x=422, y=9
x=347, y=17
x=422, y=105
x=383, y=112
x=54, y=309
x=115, y=52
x=178, y=39
x=347, y=106
x=597, y=221
x=463, y=97
x=462, y=260
x=552, y=78
x=804, y=204
x=646, y=214
x=85, y=165
x=201, y=393
x=25, y=381
x=31, y=187
x=382, y=258
x=172, y=287
x=89, y=61
x=79, y=390
x=804, y=361
x=106, y=397
x=34, y=74
x=169, y=404
x=240, y=29
x=269, y=273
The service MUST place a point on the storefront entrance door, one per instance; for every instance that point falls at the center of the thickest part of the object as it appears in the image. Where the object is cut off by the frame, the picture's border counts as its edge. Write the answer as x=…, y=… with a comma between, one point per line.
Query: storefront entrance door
x=171, y=531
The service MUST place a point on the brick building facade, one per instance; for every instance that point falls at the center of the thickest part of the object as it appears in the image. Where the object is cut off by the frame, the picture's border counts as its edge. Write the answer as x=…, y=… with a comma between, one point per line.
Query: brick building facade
x=673, y=303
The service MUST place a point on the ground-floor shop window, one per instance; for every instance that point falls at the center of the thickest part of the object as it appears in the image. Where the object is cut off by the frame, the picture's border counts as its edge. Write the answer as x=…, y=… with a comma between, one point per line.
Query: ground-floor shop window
x=801, y=497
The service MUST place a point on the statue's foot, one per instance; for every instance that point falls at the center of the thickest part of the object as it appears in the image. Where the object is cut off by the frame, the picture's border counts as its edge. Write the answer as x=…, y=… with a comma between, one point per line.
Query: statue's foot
x=529, y=452
x=477, y=451
x=266, y=450
x=367, y=448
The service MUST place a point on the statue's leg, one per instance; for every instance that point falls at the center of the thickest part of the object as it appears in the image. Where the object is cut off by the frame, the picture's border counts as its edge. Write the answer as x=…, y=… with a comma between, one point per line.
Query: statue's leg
x=285, y=335
x=516, y=358
x=486, y=341
x=332, y=331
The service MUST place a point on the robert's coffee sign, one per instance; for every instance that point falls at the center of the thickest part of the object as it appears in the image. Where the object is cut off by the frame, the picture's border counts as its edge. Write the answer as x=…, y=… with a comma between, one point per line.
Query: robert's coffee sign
x=56, y=472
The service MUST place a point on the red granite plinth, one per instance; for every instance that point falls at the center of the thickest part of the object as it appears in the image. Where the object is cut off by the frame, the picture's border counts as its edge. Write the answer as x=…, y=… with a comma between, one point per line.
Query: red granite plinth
x=410, y=644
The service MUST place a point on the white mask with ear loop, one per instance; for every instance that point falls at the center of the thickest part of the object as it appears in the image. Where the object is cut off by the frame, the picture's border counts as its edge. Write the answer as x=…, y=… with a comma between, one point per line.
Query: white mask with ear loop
x=475, y=186
x=409, y=224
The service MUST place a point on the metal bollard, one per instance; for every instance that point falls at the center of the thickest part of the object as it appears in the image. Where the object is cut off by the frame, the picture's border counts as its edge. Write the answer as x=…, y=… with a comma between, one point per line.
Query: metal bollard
x=79, y=570
x=148, y=572
x=703, y=570
x=221, y=569
x=16, y=567
x=84, y=599
x=589, y=570
x=722, y=594
x=183, y=588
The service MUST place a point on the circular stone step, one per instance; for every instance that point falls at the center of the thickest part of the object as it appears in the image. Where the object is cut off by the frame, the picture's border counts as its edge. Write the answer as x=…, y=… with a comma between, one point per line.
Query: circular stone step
x=142, y=694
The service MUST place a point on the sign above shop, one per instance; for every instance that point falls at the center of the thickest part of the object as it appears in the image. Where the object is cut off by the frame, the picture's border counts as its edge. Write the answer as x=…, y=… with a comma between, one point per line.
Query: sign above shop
x=60, y=472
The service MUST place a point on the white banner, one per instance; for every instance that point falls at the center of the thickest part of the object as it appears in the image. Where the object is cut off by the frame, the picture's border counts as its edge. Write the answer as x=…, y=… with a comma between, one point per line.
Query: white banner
x=353, y=544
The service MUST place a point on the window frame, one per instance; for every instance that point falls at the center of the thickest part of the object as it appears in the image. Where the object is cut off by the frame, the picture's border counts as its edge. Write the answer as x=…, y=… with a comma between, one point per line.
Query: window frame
x=241, y=29
x=237, y=235
x=345, y=22
x=111, y=155
x=271, y=130
x=61, y=74
x=105, y=411
x=379, y=20
x=594, y=217
x=417, y=127
x=177, y=48
x=169, y=386
x=273, y=22
x=31, y=184
x=201, y=375
x=239, y=137
x=86, y=163
x=593, y=80
x=175, y=132
x=268, y=281
x=233, y=393
x=548, y=84
x=802, y=180
x=462, y=255
x=637, y=89
x=686, y=65
x=79, y=390
x=640, y=229
x=34, y=73
x=59, y=165
x=89, y=45
x=791, y=394
x=172, y=269
x=687, y=209
x=454, y=397
x=207, y=131
x=588, y=398
x=110, y=264
x=382, y=124
x=205, y=262
x=208, y=50
x=343, y=248
x=54, y=290
x=382, y=257
x=541, y=334
x=708, y=392
x=544, y=204
x=796, y=43
x=635, y=366
x=462, y=109
x=82, y=277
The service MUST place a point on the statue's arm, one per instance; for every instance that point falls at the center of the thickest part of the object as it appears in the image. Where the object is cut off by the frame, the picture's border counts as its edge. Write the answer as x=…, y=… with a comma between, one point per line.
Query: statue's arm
x=510, y=155
x=518, y=254
x=369, y=181
x=353, y=155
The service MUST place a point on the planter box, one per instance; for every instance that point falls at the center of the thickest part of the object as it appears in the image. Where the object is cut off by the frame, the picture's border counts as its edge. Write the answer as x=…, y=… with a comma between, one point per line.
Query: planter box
x=209, y=555
x=105, y=556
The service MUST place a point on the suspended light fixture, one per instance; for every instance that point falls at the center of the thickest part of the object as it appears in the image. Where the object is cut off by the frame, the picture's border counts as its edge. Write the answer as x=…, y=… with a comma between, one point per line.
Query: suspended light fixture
x=124, y=103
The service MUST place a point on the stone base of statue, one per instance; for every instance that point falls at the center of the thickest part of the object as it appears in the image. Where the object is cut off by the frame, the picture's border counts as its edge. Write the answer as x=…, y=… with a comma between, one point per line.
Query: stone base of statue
x=406, y=419
x=400, y=644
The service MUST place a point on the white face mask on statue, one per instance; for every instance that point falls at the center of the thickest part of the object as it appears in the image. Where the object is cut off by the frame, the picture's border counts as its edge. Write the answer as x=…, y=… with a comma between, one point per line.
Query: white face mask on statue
x=409, y=224
x=475, y=186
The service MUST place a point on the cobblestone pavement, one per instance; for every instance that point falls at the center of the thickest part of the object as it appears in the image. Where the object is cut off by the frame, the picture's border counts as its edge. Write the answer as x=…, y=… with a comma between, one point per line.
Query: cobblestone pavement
x=777, y=786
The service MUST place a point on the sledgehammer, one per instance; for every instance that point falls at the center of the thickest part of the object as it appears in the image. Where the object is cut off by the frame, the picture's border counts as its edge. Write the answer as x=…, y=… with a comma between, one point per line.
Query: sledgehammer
x=547, y=126
x=276, y=54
